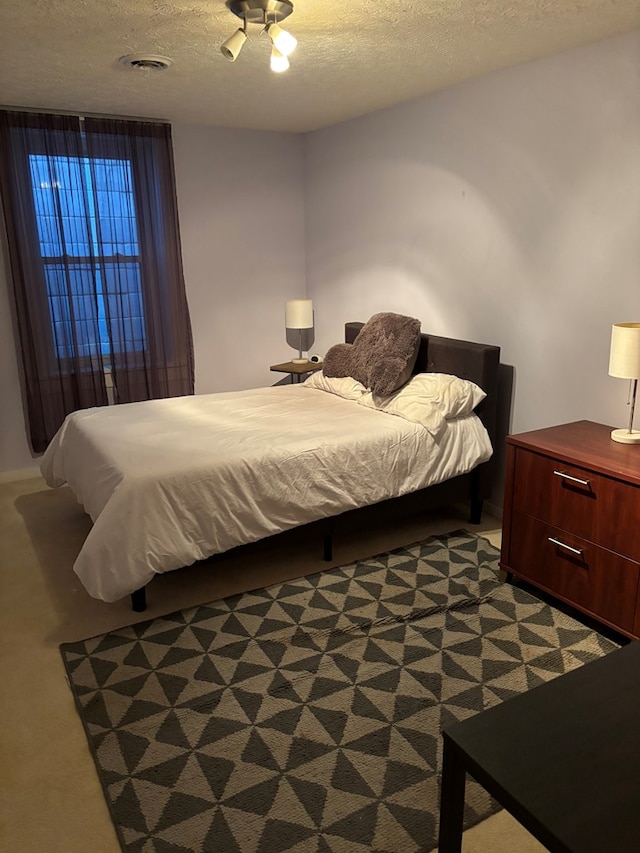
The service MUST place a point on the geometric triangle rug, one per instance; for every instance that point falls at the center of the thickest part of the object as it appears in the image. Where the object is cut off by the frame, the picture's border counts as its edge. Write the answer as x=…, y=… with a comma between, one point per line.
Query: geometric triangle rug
x=307, y=716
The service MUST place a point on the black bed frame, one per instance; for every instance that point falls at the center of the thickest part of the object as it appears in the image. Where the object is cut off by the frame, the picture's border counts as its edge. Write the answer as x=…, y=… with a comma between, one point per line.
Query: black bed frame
x=479, y=363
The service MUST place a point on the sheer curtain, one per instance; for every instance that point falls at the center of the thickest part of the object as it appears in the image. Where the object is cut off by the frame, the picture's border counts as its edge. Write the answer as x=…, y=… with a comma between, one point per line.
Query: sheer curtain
x=92, y=227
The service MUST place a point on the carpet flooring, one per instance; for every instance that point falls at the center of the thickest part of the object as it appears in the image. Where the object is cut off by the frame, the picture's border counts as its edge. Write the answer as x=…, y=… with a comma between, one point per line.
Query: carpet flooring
x=306, y=716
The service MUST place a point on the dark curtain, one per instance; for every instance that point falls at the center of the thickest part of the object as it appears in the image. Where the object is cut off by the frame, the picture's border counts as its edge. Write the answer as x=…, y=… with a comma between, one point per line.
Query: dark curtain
x=92, y=226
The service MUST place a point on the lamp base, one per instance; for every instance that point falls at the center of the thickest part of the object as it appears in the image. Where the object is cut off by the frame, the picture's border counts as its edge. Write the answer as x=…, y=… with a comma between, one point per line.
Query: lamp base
x=299, y=361
x=626, y=437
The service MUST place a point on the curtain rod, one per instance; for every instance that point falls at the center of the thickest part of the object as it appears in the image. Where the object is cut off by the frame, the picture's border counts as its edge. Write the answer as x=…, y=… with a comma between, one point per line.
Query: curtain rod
x=83, y=115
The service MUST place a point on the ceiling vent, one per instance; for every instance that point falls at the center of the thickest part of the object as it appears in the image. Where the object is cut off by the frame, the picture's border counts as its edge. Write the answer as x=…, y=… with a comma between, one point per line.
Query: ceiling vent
x=146, y=61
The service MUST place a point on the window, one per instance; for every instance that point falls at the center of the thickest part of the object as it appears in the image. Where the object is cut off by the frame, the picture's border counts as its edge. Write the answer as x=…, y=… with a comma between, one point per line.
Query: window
x=92, y=229
x=90, y=257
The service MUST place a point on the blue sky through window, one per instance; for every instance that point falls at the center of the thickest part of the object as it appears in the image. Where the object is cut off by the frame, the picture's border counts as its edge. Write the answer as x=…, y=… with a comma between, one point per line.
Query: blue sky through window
x=88, y=239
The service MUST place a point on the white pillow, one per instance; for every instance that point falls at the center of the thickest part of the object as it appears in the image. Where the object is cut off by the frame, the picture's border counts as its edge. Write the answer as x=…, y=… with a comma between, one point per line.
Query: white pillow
x=457, y=397
x=345, y=386
x=429, y=399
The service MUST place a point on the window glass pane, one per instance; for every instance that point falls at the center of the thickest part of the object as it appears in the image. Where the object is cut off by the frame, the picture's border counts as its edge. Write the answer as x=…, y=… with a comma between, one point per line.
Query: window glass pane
x=115, y=207
x=71, y=198
x=59, y=310
x=42, y=180
x=124, y=297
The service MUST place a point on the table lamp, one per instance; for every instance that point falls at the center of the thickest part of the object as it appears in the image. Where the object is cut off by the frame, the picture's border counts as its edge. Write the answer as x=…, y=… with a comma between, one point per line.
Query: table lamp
x=624, y=363
x=298, y=316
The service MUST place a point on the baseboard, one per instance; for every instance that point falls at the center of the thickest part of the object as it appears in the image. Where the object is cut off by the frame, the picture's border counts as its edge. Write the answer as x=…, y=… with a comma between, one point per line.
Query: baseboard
x=19, y=474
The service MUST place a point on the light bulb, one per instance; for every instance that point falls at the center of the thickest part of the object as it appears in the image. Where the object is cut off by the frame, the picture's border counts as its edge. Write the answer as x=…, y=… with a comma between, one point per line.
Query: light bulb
x=279, y=62
x=282, y=40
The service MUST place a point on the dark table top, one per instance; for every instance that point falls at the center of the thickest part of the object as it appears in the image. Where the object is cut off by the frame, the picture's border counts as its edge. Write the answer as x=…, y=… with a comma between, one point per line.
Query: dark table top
x=564, y=758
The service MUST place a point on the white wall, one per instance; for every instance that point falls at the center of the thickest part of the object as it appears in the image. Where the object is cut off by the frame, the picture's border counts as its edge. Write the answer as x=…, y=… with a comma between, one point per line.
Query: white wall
x=241, y=206
x=505, y=210
x=241, y=210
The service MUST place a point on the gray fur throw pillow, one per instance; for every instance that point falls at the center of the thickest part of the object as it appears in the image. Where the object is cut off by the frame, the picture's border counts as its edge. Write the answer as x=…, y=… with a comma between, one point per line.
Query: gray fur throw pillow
x=381, y=357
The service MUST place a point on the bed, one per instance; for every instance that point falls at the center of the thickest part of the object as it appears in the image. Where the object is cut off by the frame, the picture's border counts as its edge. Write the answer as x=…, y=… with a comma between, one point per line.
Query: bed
x=173, y=481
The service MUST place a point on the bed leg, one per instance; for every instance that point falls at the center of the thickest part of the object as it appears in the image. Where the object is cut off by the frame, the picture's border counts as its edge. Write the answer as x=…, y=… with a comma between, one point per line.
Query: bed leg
x=475, y=513
x=139, y=600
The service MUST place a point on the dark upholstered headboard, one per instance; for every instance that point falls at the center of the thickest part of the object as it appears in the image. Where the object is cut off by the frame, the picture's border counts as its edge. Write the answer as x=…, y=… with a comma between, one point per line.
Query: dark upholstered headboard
x=480, y=363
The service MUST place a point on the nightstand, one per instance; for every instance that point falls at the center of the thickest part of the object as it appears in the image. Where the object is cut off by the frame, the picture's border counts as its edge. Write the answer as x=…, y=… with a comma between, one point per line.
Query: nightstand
x=296, y=371
x=571, y=522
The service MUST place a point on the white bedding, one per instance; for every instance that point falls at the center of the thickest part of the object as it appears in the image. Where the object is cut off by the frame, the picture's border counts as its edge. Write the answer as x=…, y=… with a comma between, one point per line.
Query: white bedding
x=169, y=482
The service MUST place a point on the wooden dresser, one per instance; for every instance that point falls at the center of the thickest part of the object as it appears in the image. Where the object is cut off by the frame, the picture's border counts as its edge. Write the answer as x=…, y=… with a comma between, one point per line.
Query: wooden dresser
x=571, y=523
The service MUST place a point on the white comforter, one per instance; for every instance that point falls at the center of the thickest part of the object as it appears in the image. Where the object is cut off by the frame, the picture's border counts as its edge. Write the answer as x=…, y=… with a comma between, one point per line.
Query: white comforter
x=169, y=482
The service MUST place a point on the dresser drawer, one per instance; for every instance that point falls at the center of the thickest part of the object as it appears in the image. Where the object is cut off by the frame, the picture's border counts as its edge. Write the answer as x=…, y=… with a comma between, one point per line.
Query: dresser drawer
x=601, y=509
x=593, y=578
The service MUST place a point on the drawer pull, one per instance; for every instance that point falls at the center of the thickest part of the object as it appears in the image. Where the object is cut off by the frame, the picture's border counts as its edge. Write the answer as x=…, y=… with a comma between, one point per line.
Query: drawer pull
x=577, y=551
x=571, y=479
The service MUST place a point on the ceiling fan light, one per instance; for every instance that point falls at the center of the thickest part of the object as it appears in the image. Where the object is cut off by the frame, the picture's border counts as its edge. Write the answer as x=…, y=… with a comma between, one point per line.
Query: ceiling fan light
x=279, y=62
x=233, y=45
x=281, y=39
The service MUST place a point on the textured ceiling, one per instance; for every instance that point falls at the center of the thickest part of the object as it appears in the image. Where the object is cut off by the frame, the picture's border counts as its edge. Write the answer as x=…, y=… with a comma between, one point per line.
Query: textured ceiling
x=353, y=56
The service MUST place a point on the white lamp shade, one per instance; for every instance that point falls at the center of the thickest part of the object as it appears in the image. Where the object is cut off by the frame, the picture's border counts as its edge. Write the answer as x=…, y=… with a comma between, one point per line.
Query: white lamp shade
x=233, y=45
x=298, y=314
x=624, y=359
